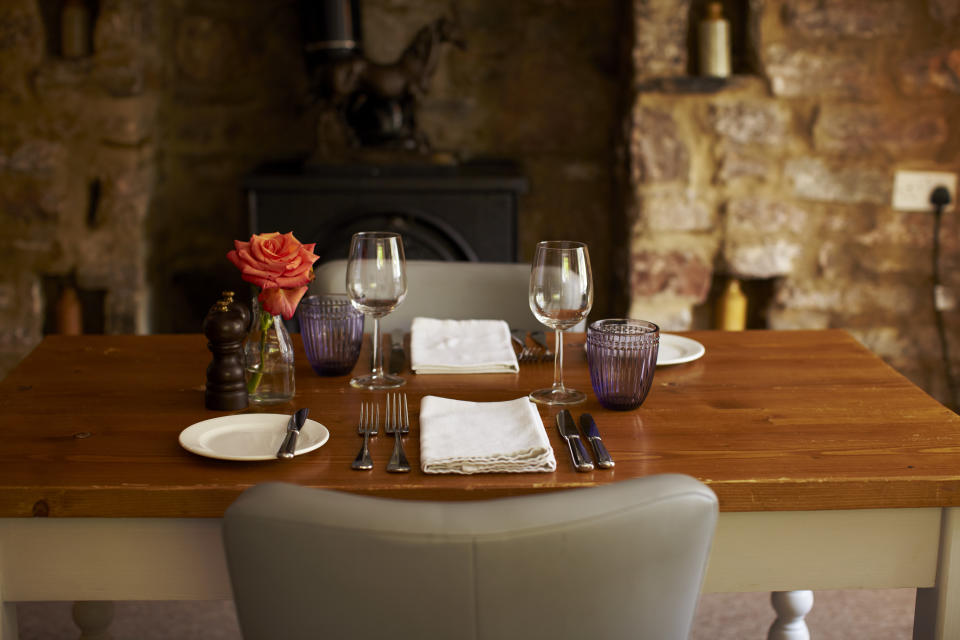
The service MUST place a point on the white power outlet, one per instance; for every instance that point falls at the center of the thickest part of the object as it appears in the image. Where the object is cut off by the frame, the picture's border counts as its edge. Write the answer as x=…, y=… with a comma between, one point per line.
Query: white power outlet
x=912, y=189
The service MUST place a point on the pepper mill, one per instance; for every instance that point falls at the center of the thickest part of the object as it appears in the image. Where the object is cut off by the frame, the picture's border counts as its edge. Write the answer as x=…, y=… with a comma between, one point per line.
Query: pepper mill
x=225, y=328
x=241, y=308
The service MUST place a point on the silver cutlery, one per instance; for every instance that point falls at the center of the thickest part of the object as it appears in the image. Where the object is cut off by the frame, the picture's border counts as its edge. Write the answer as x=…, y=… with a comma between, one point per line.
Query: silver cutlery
x=397, y=422
x=288, y=447
x=590, y=431
x=568, y=430
x=397, y=357
x=368, y=426
x=526, y=354
x=541, y=339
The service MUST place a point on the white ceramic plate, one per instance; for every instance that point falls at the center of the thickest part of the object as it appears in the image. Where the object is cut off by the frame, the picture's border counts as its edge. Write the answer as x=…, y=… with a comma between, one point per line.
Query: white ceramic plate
x=249, y=436
x=677, y=350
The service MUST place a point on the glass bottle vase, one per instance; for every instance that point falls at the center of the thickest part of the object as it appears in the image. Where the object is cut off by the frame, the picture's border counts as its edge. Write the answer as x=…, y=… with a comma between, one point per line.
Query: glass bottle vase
x=268, y=356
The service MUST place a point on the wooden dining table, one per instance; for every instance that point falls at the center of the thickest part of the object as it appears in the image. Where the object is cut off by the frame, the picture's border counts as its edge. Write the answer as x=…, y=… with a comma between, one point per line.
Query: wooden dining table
x=833, y=471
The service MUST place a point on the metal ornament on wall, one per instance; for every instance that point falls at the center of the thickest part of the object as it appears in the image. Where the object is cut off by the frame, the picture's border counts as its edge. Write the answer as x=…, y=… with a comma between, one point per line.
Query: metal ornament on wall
x=375, y=101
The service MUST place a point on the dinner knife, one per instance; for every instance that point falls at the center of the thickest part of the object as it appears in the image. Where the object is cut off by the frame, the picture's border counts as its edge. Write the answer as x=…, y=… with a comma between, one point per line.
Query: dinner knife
x=568, y=429
x=397, y=357
x=289, y=445
x=590, y=431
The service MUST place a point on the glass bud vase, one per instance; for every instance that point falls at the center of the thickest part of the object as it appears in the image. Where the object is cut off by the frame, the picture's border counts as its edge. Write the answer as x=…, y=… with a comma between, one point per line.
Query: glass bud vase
x=268, y=354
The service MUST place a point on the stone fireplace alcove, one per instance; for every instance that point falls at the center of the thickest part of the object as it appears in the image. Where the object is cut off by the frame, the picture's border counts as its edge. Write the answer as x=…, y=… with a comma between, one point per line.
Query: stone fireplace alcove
x=121, y=173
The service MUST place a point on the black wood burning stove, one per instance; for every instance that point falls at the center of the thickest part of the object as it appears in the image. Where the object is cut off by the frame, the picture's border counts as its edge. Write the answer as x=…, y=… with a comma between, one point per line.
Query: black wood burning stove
x=444, y=212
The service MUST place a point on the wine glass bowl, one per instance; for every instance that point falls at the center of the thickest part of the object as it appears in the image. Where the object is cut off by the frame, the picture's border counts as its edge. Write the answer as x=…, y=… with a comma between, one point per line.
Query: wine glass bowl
x=561, y=295
x=376, y=285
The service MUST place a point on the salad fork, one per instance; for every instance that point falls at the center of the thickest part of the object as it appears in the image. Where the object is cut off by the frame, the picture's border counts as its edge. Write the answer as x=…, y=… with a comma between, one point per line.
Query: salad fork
x=367, y=426
x=398, y=424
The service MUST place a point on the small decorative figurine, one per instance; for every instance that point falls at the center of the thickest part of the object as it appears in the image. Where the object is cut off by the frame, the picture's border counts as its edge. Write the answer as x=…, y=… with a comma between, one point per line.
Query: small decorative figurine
x=225, y=327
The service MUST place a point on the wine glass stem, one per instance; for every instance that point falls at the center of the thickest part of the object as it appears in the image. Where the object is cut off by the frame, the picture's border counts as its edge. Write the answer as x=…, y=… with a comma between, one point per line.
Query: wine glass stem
x=558, y=362
x=377, y=357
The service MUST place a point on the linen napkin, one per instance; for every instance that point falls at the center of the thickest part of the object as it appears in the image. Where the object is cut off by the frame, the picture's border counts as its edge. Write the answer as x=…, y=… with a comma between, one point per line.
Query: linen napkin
x=463, y=437
x=461, y=346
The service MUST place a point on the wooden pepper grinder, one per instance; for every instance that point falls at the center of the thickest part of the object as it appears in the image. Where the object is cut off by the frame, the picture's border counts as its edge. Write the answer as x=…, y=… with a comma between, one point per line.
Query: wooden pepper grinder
x=225, y=327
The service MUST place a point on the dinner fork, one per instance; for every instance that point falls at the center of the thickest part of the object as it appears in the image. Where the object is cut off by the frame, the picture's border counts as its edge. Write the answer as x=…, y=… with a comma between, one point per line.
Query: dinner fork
x=543, y=352
x=397, y=423
x=368, y=425
x=526, y=353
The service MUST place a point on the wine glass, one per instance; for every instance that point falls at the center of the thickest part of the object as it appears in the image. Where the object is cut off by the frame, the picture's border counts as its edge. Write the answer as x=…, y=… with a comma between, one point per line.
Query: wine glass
x=376, y=284
x=561, y=294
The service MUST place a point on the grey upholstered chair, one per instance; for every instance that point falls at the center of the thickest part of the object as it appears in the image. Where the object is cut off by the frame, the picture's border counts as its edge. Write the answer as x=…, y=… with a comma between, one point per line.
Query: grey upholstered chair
x=453, y=290
x=624, y=560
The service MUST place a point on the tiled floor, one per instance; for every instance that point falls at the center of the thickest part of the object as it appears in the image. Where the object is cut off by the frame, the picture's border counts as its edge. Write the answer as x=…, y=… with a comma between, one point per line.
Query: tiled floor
x=836, y=615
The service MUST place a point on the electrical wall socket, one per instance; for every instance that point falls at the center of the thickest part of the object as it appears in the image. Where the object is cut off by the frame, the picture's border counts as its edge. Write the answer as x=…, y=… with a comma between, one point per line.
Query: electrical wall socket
x=912, y=189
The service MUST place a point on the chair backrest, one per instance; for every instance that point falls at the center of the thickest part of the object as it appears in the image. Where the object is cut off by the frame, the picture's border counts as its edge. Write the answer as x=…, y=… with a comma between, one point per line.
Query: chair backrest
x=450, y=290
x=624, y=560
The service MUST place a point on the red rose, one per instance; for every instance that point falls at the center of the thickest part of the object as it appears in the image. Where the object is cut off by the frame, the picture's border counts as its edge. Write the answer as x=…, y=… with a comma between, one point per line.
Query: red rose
x=280, y=265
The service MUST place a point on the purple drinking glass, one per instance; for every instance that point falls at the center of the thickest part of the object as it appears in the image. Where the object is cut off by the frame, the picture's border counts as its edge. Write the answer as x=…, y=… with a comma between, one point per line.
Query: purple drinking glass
x=622, y=356
x=332, y=331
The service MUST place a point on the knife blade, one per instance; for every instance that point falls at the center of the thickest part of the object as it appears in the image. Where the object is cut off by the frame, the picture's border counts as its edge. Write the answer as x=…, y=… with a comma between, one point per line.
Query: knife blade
x=397, y=358
x=592, y=434
x=568, y=430
x=289, y=445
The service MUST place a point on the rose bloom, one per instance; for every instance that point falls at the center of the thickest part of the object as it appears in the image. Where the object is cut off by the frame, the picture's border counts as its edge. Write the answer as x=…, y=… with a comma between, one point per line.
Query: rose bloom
x=280, y=265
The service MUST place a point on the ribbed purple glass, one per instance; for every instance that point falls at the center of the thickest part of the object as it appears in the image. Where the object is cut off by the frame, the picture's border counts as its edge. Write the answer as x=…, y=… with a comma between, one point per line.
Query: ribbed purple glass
x=332, y=332
x=622, y=356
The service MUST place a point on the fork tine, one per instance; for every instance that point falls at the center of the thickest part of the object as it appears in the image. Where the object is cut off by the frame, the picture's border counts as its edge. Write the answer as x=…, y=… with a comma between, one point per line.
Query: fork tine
x=360, y=424
x=376, y=424
x=406, y=416
x=388, y=424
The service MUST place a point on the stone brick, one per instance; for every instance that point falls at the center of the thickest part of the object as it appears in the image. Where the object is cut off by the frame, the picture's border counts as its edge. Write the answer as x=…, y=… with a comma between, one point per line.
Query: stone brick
x=667, y=313
x=21, y=40
x=678, y=273
x=736, y=163
x=845, y=18
x=36, y=156
x=825, y=71
x=898, y=228
x=747, y=259
x=813, y=179
x=930, y=73
x=881, y=295
x=674, y=210
x=812, y=296
x=751, y=215
x=660, y=28
x=944, y=11
x=892, y=260
x=861, y=128
x=750, y=122
x=208, y=49
x=789, y=319
x=657, y=151
x=127, y=122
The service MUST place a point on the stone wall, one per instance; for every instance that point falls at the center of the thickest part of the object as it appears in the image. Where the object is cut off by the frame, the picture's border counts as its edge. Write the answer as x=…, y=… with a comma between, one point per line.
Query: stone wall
x=77, y=169
x=782, y=176
x=121, y=172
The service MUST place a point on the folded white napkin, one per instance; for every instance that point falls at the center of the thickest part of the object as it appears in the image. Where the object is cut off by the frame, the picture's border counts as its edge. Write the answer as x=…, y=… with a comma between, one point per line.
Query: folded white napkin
x=461, y=346
x=463, y=437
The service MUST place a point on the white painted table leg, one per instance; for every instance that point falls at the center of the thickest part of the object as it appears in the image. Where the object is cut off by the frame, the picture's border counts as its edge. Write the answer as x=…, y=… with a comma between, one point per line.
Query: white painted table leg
x=791, y=607
x=937, y=615
x=94, y=618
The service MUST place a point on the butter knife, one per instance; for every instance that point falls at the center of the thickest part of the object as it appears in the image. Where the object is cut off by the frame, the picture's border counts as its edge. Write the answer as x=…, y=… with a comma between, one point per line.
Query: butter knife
x=590, y=431
x=568, y=429
x=289, y=445
x=397, y=357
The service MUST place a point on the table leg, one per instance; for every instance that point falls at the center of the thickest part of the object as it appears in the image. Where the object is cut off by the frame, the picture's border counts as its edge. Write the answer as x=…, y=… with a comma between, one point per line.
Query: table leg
x=791, y=608
x=93, y=617
x=937, y=615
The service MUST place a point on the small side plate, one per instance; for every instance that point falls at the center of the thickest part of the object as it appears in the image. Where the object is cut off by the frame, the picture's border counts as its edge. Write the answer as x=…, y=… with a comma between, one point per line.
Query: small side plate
x=249, y=436
x=677, y=350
